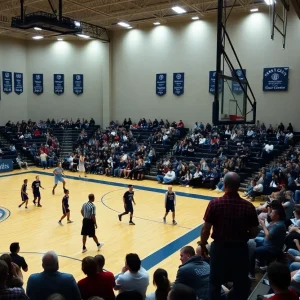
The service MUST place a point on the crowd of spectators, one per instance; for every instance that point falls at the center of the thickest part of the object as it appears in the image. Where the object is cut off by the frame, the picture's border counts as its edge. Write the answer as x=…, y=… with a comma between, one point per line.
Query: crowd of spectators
x=99, y=284
x=114, y=151
x=38, y=139
x=232, y=148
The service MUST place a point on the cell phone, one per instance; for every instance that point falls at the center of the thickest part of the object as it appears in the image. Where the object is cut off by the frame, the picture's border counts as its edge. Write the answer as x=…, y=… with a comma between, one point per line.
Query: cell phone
x=266, y=282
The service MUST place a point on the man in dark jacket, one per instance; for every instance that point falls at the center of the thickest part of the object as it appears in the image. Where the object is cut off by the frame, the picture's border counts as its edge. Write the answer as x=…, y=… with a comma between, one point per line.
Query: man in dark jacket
x=194, y=272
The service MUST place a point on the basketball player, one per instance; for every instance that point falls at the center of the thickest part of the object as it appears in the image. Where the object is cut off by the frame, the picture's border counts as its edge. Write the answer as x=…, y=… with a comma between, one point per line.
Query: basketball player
x=36, y=185
x=58, y=176
x=65, y=208
x=128, y=199
x=24, y=195
x=170, y=203
x=81, y=168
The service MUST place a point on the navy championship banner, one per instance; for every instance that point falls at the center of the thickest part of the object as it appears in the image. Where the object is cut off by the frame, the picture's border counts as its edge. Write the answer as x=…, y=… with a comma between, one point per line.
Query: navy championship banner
x=6, y=165
x=212, y=82
x=38, y=83
x=18, y=83
x=236, y=88
x=276, y=79
x=7, y=82
x=178, y=83
x=78, y=84
x=59, y=84
x=161, y=84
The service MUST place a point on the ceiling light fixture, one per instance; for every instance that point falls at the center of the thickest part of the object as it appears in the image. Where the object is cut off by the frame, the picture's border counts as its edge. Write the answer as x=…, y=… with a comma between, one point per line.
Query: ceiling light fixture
x=254, y=9
x=195, y=18
x=37, y=37
x=269, y=2
x=77, y=23
x=60, y=39
x=179, y=10
x=123, y=24
x=84, y=36
x=37, y=28
x=156, y=23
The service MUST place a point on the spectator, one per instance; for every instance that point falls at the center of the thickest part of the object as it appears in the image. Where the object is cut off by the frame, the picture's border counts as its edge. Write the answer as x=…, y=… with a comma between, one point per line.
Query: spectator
x=43, y=158
x=231, y=232
x=130, y=295
x=22, y=164
x=6, y=292
x=15, y=277
x=169, y=177
x=162, y=283
x=16, y=258
x=96, y=283
x=193, y=272
x=56, y=297
x=280, y=279
x=42, y=285
x=133, y=276
x=182, y=292
x=270, y=247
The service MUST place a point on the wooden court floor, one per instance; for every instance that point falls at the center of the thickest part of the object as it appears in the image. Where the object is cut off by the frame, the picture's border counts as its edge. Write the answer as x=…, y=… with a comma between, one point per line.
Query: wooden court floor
x=37, y=229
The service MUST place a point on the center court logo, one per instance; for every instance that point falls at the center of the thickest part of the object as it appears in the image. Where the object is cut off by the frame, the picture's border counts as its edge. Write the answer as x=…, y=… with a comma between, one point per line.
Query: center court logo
x=4, y=214
x=275, y=76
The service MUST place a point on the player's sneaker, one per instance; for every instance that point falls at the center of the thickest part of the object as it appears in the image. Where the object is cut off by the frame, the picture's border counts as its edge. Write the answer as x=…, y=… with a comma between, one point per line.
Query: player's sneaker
x=70, y=221
x=100, y=246
x=174, y=222
x=60, y=223
x=84, y=250
x=120, y=217
x=39, y=205
x=164, y=219
x=131, y=223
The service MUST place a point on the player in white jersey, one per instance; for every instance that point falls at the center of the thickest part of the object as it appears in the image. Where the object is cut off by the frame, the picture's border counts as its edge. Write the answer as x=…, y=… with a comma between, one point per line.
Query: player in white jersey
x=58, y=177
x=81, y=167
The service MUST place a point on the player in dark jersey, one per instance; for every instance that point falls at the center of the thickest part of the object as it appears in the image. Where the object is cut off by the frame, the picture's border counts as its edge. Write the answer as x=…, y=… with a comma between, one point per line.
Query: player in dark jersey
x=65, y=208
x=170, y=203
x=128, y=199
x=36, y=185
x=24, y=195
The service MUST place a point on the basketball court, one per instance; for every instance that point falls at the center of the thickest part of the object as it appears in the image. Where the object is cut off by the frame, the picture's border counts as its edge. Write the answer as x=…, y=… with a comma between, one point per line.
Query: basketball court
x=37, y=229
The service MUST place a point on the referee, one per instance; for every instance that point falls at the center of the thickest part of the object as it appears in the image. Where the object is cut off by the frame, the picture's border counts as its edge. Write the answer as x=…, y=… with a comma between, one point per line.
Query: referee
x=89, y=223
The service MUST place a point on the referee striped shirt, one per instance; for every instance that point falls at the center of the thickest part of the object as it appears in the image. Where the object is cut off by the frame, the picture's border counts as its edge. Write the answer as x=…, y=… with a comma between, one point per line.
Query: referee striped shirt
x=89, y=209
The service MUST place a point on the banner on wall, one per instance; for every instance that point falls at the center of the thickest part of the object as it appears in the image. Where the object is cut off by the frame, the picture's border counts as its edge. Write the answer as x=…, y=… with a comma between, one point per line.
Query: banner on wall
x=236, y=87
x=78, y=84
x=6, y=165
x=276, y=79
x=178, y=83
x=161, y=84
x=59, y=84
x=212, y=82
x=7, y=82
x=38, y=84
x=18, y=83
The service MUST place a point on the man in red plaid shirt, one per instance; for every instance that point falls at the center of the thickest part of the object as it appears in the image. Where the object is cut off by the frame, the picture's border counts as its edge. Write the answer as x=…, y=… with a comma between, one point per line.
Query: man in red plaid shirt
x=234, y=221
